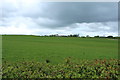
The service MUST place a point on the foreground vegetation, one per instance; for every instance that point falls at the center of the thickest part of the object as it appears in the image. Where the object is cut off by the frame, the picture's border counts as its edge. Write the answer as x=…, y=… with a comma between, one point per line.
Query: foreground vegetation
x=107, y=69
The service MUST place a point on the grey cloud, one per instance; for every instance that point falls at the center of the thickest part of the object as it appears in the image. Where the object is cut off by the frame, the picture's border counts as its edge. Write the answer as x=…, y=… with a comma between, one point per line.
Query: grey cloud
x=98, y=27
x=69, y=13
x=82, y=12
x=66, y=13
x=97, y=16
x=104, y=26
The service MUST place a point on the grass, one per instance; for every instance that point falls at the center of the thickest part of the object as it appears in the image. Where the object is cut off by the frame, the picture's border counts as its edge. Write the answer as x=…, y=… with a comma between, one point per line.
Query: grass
x=33, y=48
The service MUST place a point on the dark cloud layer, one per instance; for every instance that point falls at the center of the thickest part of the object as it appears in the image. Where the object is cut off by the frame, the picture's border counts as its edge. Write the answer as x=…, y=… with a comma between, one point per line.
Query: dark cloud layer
x=60, y=14
x=82, y=12
x=65, y=13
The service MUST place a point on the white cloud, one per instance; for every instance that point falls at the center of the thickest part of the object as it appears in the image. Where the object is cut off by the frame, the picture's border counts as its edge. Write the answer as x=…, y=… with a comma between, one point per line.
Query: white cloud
x=27, y=26
x=34, y=17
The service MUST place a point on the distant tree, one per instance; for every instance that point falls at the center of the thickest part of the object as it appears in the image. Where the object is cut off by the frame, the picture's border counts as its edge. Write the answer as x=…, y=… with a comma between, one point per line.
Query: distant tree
x=117, y=37
x=87, y=36
x=82, y=36
x=70, y=35
x=102, y=37
x=109, y=36
x=96, y=36
x=64, y=36
x=76, y=35
x=52, y=35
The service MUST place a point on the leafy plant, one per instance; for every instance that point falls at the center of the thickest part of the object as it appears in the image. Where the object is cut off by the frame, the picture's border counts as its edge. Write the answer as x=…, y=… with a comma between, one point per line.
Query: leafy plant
x=107, y=69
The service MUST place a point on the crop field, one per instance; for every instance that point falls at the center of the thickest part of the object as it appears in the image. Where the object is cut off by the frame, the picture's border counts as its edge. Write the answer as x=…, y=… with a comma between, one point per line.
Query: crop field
x=55, y=49
x=59, y=57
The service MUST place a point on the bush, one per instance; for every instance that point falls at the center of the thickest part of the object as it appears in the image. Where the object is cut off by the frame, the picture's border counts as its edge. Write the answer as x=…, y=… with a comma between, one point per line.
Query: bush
x=107, y=69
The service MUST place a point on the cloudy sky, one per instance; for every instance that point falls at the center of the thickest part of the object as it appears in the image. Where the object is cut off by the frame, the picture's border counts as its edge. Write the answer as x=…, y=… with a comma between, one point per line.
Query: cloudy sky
x=44, y=18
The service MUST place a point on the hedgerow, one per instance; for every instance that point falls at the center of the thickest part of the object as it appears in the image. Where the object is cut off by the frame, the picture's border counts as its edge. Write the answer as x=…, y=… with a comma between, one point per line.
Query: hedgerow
x=107, y=69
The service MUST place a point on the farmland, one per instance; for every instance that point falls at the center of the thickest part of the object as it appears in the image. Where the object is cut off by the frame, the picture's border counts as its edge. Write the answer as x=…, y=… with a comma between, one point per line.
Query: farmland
x=59, y=57
x=16, y=48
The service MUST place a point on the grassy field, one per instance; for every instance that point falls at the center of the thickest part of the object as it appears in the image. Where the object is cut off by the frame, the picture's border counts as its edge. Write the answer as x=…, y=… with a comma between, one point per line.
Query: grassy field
x=55, y=49
x=59, y=57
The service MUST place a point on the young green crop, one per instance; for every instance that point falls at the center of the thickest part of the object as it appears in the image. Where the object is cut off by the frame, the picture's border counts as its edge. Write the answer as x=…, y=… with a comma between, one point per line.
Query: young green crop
x=55, y=49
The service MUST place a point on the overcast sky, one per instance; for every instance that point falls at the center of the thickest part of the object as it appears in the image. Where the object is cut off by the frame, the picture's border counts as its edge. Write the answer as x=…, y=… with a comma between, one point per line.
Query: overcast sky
x=44, y=18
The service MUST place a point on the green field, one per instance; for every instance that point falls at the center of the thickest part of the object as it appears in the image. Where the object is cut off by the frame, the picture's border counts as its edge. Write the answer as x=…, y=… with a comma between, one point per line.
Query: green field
x=35, y=48
x=59, y=57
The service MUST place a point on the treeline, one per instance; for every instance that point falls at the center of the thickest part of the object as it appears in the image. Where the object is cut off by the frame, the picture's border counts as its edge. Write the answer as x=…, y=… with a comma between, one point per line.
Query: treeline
x=77, y=35
x=71, y=35
x=112, y=37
